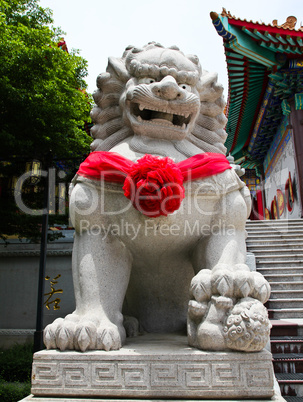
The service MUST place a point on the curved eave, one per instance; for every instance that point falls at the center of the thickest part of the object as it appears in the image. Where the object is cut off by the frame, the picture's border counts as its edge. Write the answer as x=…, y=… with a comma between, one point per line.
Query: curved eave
x=255, y=52
x=271, y=29
x=237, y=40
x=222, y=31
x=282, y=85
x=247, y=82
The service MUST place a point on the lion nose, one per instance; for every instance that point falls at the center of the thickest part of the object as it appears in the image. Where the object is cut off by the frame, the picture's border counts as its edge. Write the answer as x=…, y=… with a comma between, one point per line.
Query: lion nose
x=168, y=89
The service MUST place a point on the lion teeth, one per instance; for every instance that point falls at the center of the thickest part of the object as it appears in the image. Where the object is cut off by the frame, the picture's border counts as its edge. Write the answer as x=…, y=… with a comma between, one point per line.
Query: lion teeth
x=139, y=118
x=183, y=126
x=162, y=122
x=148, y=107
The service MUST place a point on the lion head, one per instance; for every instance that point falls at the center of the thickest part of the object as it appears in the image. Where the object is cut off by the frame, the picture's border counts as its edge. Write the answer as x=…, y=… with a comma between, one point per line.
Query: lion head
x=158, y=93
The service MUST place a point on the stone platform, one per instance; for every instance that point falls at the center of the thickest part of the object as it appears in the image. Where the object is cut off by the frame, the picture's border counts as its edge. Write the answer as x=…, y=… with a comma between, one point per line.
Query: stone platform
x=32, y=398
x=152, y=366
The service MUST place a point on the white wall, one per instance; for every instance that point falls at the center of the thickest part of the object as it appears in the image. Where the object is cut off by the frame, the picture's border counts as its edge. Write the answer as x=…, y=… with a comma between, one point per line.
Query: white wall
x=283, y=162
x=19, y=267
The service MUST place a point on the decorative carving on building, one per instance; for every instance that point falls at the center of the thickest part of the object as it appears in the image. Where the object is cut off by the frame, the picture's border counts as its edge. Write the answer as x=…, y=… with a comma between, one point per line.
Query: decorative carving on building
x=290, y=23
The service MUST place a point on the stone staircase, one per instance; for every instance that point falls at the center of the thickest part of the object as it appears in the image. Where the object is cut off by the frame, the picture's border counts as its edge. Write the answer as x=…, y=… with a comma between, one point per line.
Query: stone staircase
x=288, y=365
x=278, y=249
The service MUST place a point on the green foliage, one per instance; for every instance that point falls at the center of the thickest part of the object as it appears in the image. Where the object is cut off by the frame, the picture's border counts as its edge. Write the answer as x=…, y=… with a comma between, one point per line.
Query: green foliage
x=42, y=107
x=16, y=363
x=43, y=103
x=14, y=392
x=15, y=372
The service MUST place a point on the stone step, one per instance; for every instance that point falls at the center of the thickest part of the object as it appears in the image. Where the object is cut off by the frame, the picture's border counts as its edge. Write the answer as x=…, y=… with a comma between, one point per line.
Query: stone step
x=280, y=226
x=250, y=228
x=286, y=285
x=285, y=313
x=274, y=222
x=281, y=294
x=283, y=248
x=286, y=277
x=275, y=247
x=278, y=236
x=272, y=237
x=295, y=256
x=267, y=262
x=288, y=362
x=264, y=246
x=280, y=270
x=251, y=242
x=268, y=229
x=277, y=226
x=290, y=384
x=280, y=222
x=286, y=344
x=296, y=234
x=285, y=303
x=277, y=250
x=273, y=241
x=283, y=328
x=291, y=398
x=279, y=265
x=271, y=232
x=31, y=398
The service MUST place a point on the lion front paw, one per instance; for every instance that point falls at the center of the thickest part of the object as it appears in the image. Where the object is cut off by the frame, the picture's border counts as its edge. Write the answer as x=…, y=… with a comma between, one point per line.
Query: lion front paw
x=82, y=333
x=222, y=297
x=108, y=337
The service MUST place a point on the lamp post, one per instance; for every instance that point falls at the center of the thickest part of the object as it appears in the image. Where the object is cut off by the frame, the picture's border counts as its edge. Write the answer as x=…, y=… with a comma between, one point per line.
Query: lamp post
x=34, y=167
x=38, y=335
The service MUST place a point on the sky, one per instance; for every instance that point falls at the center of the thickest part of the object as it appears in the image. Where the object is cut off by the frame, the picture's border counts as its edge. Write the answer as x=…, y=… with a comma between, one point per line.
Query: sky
x=99, y=29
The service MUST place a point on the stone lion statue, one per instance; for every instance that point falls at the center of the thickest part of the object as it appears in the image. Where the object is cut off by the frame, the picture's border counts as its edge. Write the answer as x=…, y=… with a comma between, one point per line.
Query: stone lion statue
x=159, y=214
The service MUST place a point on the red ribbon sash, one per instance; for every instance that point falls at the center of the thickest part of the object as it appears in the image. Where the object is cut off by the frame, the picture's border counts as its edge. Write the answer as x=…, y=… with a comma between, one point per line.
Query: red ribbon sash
x=154, y=185
x=113, y=167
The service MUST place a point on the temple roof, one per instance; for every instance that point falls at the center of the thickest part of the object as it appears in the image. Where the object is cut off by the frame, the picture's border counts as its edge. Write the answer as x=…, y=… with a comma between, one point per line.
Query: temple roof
x=265, y=70
x=289, y=24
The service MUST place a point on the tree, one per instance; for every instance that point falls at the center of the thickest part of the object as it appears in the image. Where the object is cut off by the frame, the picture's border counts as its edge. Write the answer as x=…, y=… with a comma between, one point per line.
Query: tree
x=42, y=107
x=43, y=103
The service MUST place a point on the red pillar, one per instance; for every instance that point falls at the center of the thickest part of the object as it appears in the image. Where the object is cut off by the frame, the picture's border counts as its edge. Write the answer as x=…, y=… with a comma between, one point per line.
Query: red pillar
x=260, y=215
x=296, y=118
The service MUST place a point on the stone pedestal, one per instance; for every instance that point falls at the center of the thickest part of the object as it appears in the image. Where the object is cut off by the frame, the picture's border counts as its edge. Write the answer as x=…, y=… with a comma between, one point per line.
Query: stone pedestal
x=153, y=366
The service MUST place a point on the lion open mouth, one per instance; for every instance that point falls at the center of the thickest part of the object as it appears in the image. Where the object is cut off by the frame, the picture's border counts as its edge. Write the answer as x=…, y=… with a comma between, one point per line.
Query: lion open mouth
x=161, y=117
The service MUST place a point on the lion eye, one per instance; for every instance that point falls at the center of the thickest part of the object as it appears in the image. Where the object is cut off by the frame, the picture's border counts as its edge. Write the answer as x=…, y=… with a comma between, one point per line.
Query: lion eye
x=146, y=80
x=185, y=86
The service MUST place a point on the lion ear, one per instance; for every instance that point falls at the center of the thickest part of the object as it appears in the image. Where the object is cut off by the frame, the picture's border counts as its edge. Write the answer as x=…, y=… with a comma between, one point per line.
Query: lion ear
x=193, y=58
x=118, y=67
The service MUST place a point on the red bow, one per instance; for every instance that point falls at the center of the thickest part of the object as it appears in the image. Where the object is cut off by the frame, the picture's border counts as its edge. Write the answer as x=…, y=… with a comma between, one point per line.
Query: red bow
x=153, y=184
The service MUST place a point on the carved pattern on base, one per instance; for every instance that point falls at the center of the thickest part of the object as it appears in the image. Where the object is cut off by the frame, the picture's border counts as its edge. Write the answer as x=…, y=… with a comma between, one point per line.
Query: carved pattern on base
x=139, y=378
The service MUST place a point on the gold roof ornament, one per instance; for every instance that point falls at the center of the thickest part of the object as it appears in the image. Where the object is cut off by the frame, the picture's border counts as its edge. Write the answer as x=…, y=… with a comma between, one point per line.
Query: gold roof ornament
x=225, y=13
x=289, y=24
